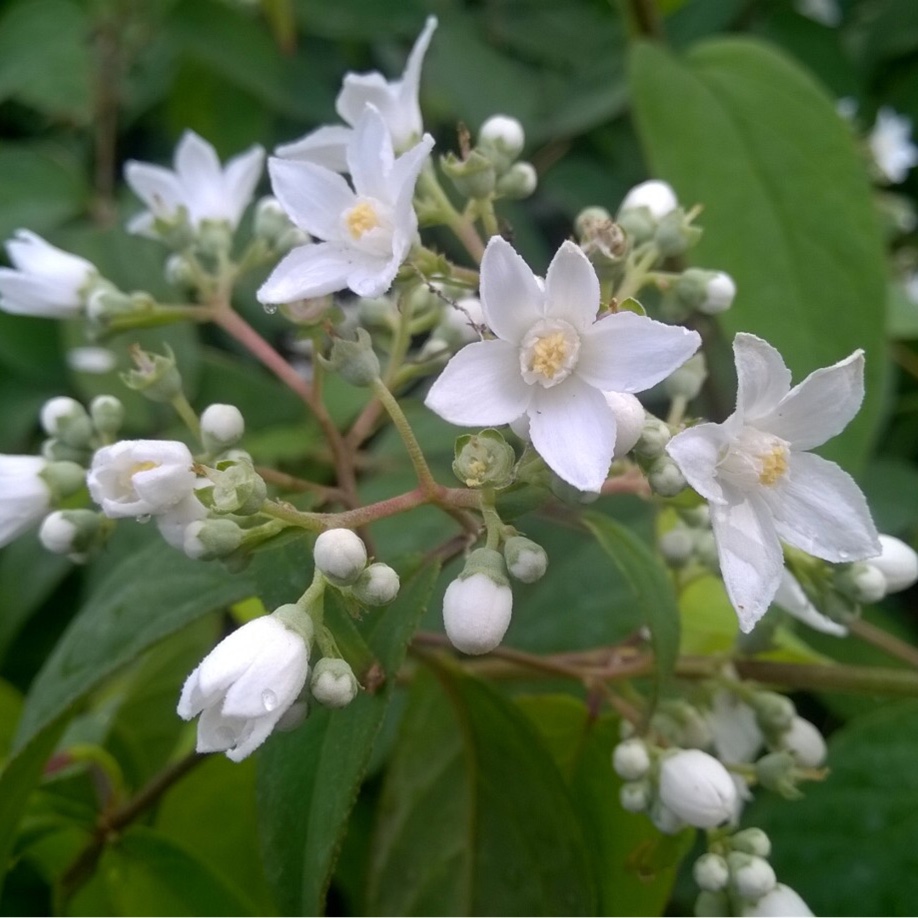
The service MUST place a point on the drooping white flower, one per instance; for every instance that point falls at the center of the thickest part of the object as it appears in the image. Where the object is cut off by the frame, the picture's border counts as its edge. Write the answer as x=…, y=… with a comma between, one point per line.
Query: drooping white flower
x=764, y=486
x=791, y=597
x=552, y=362
x=244, y=685
x=44, y=280
x=781, y=902
x=24, y=495
x=891, y=145
x=173, y=523
x=366, y=231
x=141, y=477
x=198, y=185
x=696, y=788
x=395, y=100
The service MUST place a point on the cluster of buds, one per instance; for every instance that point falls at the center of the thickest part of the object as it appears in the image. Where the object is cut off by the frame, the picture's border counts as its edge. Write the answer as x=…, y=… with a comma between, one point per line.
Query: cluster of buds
x=341, y=557
x=663, y=475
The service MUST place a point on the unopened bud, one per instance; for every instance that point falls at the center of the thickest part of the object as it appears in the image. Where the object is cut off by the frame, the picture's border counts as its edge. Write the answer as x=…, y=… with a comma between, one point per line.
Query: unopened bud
x=526, y=560
x=778, y=772
x=503, y=135
x=333, y=683
x=697, y=788
x=376, y=585
x=861, y=582
x=473, y=177
x=782, y=900
x=653, y=439
x=271, y=222
x=205, y=540
x=719, y=294
x=518, y=182
x=805, y=743
x=107, y=413
x=750, y=876
x=713, y=905
x=634, y=796
x=355, y=361
x=70, y=532
x=897, y=562
x=774, y=713
x=630, y=418
x=66, y=420
x=677, y=546
x=214, y=238
x=63, y=478
x=751, y=841
x=688, y=379
x=675, y=235
x=665, y=477
x=156, y=375
x=631, y=760
x=656, y=196
x=222, y=426
x=478, y=604
x=484, y=460
x=340, y=555
x=181, y=272
x=711, y=872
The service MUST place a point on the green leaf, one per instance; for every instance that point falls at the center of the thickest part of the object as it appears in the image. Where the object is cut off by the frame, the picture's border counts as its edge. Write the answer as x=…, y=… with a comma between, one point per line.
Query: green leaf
x=739, y=128
x=308, y=779
x=142, y=600
x=475, y=818
x=857, y=853
x=635, y=865
x=651, y=588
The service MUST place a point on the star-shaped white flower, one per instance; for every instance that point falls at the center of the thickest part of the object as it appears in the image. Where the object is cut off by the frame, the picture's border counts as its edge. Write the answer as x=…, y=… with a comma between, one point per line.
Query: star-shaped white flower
x=44, y=280
x=552, y=361
x=891, y=145
x=395, y=100
x=366, y=230
x=762, y=484
x=199, y=185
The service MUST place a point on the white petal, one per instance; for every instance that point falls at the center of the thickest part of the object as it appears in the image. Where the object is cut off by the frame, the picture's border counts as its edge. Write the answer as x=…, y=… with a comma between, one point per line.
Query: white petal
x=626, y=352
x=313, y=197
x=24, y=496
x=762, y=377
x=239, y=180
x=26, y=295
x=256, y=732
x=326, y=146
x=818, y=508
x=192, y=700
x=32, y=254
x=481, y=386
x=308, y=271
x=157, y=187
x=697, y=451
x=750, y=557
x=359, y=91
x=274, y=679
x=795, y=602
x=409, y=123
x=196, y=162
x=370, y=276
x=511, y=297
x=234, y=654
x=821, y=406
x=572, y=288
x=370, y=157
x=573, y=430
x=217, y=733
x=405, y=172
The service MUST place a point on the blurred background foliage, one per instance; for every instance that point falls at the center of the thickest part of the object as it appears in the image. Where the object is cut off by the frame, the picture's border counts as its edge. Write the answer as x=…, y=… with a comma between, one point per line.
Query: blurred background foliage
x=729, y=100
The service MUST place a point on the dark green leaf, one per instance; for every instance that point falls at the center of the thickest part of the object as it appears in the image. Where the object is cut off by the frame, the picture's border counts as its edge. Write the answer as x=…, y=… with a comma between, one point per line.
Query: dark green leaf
x=737, y=127
x=475, y=818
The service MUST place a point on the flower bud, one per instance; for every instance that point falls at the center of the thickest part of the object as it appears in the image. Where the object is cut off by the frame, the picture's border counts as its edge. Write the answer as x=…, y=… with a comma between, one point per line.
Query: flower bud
x=70, y=532
x=677, y=546
x=107, y=413
x=750, y=876
x=459, y=324
x=156, y=375
x=295, y=716
x=204, y=540
x=631, y=760
x=656, y=196
x=237, y=487
x=774, y=713
x=634, y=796
x=711, y=872
x=719, y=294
x=805, y=743
x=781, y=901
x=751, y=841
x=897, y=562
x=478, y=604
x=503, y=134
x=106, y=301
x=526, y=560
x=340, y=555
x=376, y=585
x=66, y=420
x=271, y=222
x=333, y=683
x=484, y=460
x=355, y=361
x=861, y=582
x=222, y=426
x=63, y=478
x=665, y=477
x=675, y=235
x=777, y=772
x=473, y=177
x=697, y=788
x=518, y=182
x=686, y=382
x=181, y=272
x=214, y=238
x=629, y=421
x=664, y=819
x=653, y=439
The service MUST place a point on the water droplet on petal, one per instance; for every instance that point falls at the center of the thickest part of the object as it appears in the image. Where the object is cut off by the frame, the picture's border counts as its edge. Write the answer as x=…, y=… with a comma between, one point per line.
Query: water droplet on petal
x=144, y=518
x=270, y=308
x=269, y=700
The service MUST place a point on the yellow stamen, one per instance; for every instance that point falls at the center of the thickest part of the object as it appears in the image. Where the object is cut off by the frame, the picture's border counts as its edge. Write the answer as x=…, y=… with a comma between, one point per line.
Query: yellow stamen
x=774, y=465
x=144, y=466
x=361, y=219
x=549, y=354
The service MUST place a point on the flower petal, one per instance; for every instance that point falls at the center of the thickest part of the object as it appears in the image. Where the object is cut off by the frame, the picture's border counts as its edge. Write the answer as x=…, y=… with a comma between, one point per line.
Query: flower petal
x=370, y=276
x=481, y=385
x=818, y=508
x=370, y=157
x=572, y=287
x=795, y=602
x=573, y=430
x=360, y=90
x=315, y=198
x=409, y=122
x=751, y=561
x=821, y=406
x=511, y=297
x=196, y=162
x=157, y=187
x=240, y=178
x=762, y=377
x=22, y=294
x=626, y=352
x=274, y=679
x=308, y=271
x=326, y=146
x=697, y=451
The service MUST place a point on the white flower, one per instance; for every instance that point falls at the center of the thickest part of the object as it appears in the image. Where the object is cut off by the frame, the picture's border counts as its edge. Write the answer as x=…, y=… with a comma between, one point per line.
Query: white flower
x=24, y=496
x=395, y=100
x=552, y=362
x=244, y=685
x=781, y=902
x=791, y=597
x=476, y=613
x=198, y=185
x=897, y=562
x=367, y=231
x=658, y=197
x=763, y=485
x=44, y=280
x=173, y=524
x=696, y=788
x=141, y=477
x=891, y=145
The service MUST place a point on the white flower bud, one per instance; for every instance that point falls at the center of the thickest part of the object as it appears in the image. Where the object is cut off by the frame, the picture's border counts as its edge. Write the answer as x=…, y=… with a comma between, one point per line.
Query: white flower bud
x=629, y=421
x=781, y=902
x=478, y=604
x=94, y=360
x=634, y=796
x=713, y=905
x=805, y=743
x=66, y=419
x=107, y=413
x=57, y=533
x=752, y=841
x=221, y=426
x=340, y=555
x=653, y=439
x=688, y=379
x=665, y=477
x=752, y=877
x=333, y=683
x=631, y=760
x=862, y=582
x=897, y=562
x=719, y=294
x=665, y=820
x=204, y=540
x=711, y=872
x=518, y=182
x=377, y=585
x=677, y=545
x=504, y=133
x=526, y=560
x=658, y=197
x=697, y=788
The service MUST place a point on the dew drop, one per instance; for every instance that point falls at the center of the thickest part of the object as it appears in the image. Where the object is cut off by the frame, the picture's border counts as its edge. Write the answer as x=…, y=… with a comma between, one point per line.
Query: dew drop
x=269, y=700
x=270, y=308
x=144, y=518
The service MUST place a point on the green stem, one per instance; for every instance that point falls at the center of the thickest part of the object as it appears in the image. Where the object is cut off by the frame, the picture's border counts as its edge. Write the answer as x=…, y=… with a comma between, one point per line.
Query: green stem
x=637, y=273
x=415, y=453
x=188, y=415
x=460, y=226
x=155, y=317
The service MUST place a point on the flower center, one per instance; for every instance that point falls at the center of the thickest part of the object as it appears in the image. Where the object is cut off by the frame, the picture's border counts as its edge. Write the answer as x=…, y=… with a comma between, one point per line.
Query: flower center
x=549, y=352
x=755, y=458
x=361, y=219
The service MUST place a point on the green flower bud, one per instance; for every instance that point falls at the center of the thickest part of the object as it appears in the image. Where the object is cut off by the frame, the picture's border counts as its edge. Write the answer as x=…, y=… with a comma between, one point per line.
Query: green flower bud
x=107, y=413
x=66, y=420
x=333, y=683
x=206, y=540
x=677, y=546
x=355, y=361
x=861, y=582
x=70, y=532
x=711, y=872
x=778, y=772
x=473, y=177
x=675, y=236
x=752, y=841
x=214, y=238
x=63, y=478
x=665, y=478
x=526, y=560
x=237, y=487
x=181, y=272
x=376, y=585
x=653, y=439
x=156, y=375
x=687, y=381
x=774, y=713
x=484, y=460
x=518, y=182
